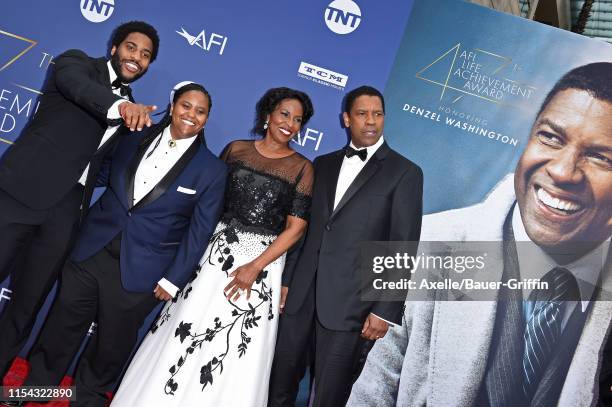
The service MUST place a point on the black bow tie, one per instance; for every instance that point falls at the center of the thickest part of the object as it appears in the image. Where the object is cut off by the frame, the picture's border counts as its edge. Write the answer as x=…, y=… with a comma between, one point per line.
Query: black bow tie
x=350, y=151
x=123, y=89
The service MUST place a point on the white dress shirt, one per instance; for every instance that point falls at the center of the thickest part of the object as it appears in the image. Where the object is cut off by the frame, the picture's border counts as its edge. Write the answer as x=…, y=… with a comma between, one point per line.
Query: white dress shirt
x=534, y=262
x=351, y=167
x=113, y=113
x=155, y=164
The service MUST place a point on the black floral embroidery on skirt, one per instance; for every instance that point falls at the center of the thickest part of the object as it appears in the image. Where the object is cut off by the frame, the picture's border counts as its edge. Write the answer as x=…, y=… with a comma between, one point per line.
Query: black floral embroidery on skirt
x=244, y=319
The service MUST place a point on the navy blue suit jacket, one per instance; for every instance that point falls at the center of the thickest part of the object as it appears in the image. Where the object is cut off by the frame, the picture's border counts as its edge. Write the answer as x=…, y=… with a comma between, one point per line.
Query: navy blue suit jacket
x=166, y=232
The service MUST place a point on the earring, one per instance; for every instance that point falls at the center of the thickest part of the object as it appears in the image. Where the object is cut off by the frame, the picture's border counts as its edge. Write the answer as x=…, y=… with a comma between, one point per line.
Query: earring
x=265, y=126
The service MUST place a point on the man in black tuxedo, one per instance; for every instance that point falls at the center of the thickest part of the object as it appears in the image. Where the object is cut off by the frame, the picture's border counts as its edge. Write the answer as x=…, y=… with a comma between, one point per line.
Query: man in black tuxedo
x=48, y=175
x=364, y=192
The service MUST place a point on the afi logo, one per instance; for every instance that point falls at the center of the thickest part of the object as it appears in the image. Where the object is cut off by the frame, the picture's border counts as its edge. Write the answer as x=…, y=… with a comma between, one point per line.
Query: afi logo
x=310, y=136
x=342, y=16
x=97, y=11
x=216, y=40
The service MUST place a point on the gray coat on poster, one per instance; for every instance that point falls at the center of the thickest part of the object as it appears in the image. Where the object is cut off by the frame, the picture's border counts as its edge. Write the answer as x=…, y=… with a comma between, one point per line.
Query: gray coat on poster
x=438, y=357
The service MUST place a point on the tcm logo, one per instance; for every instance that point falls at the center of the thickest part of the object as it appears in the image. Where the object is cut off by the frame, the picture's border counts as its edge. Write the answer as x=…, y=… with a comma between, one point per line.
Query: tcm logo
x=97, y=11
x=5, y=294
x=212, y=42
x=322, y=76
x=308, y=136
x=342, y=16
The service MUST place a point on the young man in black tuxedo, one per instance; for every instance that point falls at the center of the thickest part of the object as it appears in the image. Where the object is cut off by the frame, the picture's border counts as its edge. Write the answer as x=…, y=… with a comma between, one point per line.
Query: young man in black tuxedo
x=48, y=175
x=364, y=192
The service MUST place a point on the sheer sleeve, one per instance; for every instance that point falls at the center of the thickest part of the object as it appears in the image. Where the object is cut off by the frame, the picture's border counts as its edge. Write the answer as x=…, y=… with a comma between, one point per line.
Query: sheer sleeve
x=226, y=151
x=302, y=196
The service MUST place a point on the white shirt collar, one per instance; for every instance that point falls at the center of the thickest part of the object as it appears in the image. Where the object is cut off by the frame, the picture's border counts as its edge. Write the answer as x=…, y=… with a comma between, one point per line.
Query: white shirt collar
x=181, y=144
x=536, y=262
x=111, y=72
x=371, y=149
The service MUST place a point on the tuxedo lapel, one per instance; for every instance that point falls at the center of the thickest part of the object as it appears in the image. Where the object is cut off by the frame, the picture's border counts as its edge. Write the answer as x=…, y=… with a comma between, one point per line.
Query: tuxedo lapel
x=332, y=173
x=102, y=68
x=109, y=143
x=104, y=78
x=364, y=176
x=168, y=179
x=504, y=375
x=131, y=171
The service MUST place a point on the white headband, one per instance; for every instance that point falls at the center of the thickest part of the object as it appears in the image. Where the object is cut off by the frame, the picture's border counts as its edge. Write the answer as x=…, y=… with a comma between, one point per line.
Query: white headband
x=177, y=87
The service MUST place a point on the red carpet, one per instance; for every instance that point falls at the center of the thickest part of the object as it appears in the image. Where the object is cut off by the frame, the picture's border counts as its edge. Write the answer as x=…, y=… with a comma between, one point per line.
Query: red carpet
x=19, y=371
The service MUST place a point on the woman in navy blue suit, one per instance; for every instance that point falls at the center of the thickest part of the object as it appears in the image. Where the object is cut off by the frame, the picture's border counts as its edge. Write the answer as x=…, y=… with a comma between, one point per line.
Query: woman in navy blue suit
x=140, y=243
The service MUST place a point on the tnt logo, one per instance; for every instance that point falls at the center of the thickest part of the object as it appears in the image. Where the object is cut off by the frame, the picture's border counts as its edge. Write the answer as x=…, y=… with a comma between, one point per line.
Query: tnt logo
x=97, y=11
x=342, y=16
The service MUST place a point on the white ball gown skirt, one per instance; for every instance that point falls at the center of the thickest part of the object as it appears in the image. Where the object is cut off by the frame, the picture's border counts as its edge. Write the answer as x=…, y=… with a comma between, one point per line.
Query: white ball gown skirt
x=204, y=350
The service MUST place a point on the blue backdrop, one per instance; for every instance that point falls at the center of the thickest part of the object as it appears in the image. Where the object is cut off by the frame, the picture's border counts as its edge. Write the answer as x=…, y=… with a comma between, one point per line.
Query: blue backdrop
x=245, y=47
x=239, y=49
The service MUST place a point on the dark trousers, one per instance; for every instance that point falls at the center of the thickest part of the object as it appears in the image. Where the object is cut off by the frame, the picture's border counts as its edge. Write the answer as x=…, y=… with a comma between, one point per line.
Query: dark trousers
x=294, y=339
x=33, y=248
x=340, y=356
x=339, y=359
x=89, y=291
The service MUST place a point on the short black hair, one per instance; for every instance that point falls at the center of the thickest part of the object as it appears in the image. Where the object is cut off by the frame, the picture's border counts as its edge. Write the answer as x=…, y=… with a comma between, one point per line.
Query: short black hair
x=193, y=86
x=595, y=78
x=350, y=97
x=122, y=31
x=271, y=99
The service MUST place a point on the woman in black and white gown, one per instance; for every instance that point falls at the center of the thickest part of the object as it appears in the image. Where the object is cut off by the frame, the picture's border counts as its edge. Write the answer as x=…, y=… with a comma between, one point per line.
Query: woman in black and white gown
x=213, y=344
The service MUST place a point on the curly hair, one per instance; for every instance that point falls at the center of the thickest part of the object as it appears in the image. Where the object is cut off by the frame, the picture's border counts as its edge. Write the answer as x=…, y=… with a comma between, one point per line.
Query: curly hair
x=122, y=31
x=270, y=100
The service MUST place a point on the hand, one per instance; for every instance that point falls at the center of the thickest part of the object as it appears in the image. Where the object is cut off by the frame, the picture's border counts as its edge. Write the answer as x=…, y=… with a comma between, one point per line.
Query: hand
x=374, y=328
x=135, y=115
x=283, y=298
x=161, y=294
x=244, y=276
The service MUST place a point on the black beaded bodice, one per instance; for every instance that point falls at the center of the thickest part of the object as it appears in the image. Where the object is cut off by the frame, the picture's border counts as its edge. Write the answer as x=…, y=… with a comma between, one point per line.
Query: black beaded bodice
x=262, y=191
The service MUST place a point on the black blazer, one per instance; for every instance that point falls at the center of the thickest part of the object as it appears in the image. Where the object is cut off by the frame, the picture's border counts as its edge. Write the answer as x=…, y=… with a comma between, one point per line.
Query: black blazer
x=384, y=203
x=46, y=161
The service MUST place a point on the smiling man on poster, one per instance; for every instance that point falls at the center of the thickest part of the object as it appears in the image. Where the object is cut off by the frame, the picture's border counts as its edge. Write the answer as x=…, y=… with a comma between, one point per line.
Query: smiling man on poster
x=546, y=350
